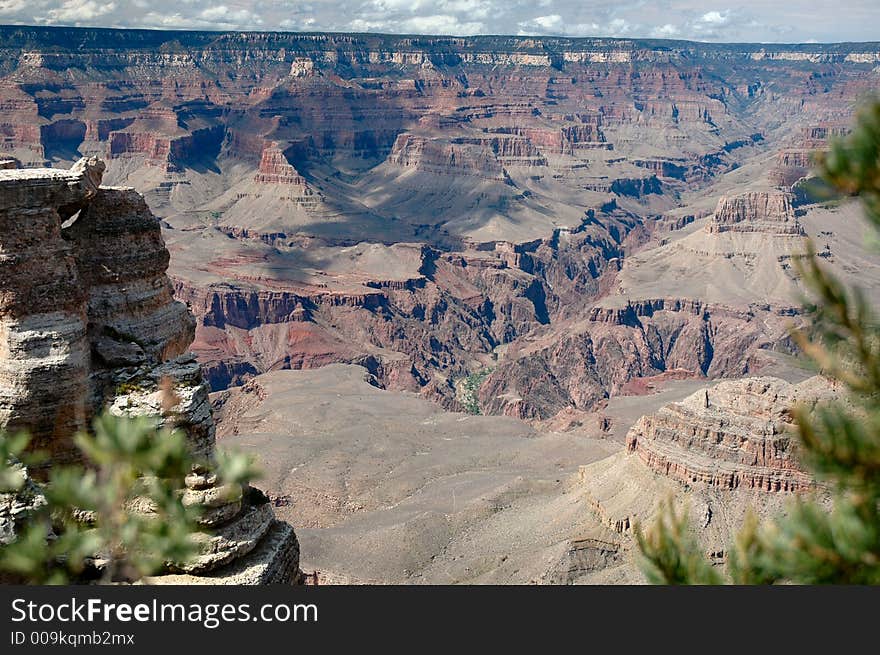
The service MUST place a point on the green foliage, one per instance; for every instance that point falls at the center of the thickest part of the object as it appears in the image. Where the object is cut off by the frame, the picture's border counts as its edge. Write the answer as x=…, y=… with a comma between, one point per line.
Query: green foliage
x=236, y=468
x=470, y=390
x=88, y=514
x=122, y=515
x=840, y=442
x=852, y=165
x=126, y=388
x=11, y=451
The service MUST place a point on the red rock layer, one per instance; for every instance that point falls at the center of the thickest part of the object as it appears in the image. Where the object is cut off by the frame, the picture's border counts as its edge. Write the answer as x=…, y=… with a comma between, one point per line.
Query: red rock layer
x=275, y=169
x=734, y=435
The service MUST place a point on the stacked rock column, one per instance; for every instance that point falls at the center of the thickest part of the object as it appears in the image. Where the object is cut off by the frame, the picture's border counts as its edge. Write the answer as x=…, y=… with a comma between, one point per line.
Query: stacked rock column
x=44, y=352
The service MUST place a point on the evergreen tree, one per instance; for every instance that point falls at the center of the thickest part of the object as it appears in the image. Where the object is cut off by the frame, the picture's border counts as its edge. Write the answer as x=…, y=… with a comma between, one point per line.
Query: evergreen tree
x=119, y=518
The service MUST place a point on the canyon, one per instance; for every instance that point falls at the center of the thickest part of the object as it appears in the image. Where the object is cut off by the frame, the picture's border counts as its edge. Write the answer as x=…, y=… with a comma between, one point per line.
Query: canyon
x=418, y=270
x=429, y=207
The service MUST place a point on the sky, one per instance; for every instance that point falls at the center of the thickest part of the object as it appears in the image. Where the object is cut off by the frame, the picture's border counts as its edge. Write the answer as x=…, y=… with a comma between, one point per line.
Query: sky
x=780, y=21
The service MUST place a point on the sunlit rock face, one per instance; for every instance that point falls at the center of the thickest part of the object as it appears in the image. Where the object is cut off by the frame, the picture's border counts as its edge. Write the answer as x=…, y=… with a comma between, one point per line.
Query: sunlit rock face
x=769, y=212
x=737, y=434
x=88, y=323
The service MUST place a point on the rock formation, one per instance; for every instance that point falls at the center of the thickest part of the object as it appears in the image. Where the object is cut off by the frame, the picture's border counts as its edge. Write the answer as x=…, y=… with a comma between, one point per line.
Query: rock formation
x=737, y=434
x=44, y=371
x=769, y=212
x=720, y=453
x=714, y=301
x=435, y=156
x=797, y=160
x=88, y=321
x=581, y=363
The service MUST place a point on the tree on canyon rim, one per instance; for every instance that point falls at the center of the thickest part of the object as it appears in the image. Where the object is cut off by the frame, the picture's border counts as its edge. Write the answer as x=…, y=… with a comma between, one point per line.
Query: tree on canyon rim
x=118, y=519
x=839, y=442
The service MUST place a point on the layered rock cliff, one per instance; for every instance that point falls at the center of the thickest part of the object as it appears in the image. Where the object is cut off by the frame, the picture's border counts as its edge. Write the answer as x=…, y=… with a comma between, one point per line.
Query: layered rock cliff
x=720, y=454
x=797, y=159
x=769, y=212
x=45, y=364
x=737, y=434
x=89, y=323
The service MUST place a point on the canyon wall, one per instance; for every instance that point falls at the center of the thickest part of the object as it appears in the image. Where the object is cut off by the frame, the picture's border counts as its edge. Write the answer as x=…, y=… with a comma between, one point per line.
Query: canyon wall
x=88, y=324
x=579, y=364
x=435, y=207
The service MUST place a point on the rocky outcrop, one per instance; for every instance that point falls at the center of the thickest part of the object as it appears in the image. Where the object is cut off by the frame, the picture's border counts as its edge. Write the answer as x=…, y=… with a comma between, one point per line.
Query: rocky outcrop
x=580, y=365
x=721, y=454
x=737, y=434
x=436, y=156
x=17, y=506
x=792, y=164
x=88, y=321
x=799, y=159
x=275, y=169
x=122, y=259
x=766, y=212
x=45, y=364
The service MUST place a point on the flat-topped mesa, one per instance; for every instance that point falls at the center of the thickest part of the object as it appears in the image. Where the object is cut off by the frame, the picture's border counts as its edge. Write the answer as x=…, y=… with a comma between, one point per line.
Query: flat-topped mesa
x=439, y=156
x=734, y=435
x=88, y=321
x=768, y=212
x=510, y=150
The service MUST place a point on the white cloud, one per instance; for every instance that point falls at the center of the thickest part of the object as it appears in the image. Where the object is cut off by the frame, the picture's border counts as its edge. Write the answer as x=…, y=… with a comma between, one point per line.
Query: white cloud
x=667, y=31
x=436, y=24
x=479, y=9
x=292, y=24
x=706, y=20
x=441, y=24
x=12, y=6
x=76, y=11
x=554, y=24
x=716, y=17
x=230, y=18
x=551, y=22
